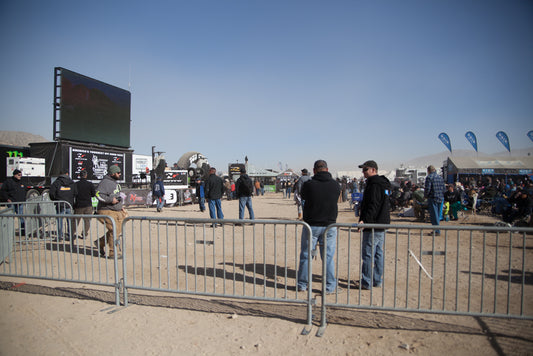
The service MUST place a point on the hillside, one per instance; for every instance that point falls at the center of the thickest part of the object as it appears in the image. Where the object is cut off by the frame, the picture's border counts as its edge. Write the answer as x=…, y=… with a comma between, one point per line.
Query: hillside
x=19, y=138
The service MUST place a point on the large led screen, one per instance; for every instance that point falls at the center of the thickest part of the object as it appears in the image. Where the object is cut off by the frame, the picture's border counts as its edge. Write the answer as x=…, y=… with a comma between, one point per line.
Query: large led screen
x=93, y=111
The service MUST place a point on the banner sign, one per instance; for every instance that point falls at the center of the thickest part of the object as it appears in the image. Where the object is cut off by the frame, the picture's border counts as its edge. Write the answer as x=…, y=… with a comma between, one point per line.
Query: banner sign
x=234, y=169
x=136, y=196
x=504, y=139
x=530, y=135
x=471, y=137
x=95, y=162
x=446, y=140
x=487, y=171
x=176, y=179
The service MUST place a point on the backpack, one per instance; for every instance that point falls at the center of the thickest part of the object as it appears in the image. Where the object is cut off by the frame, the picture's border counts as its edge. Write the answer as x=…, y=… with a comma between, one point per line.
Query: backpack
x=246, y=186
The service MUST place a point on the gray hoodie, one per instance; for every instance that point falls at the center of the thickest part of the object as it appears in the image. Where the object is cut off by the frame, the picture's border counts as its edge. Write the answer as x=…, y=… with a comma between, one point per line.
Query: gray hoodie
x=106, y=191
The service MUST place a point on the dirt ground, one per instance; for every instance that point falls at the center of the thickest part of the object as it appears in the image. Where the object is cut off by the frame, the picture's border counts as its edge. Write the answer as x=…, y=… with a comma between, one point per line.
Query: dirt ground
x=49, y=318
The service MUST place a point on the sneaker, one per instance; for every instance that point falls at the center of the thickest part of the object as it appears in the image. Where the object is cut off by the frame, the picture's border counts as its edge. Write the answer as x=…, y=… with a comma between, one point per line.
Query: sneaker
x=358, y=284
x=339, y=290
x=301, y=289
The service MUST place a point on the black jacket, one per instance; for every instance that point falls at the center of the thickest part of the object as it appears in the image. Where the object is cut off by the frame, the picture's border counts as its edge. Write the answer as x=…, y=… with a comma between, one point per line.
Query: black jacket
x=85, y=190
x=214, y=187
x=239, y=190
x=375, y=207
x=14, y=190
x=63, y=188
x=320, y=194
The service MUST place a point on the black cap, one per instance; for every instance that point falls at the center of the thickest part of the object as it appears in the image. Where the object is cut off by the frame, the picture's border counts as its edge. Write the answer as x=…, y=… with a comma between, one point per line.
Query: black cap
x=304, y=170
x=369, y=164
x=243, y=170
x=16, y=171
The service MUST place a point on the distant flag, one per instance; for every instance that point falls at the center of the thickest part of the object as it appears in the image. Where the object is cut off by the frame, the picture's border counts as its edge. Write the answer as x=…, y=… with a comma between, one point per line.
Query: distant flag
x=471, y=137
x=446, y=140
x=504, y=139
x=530, y=135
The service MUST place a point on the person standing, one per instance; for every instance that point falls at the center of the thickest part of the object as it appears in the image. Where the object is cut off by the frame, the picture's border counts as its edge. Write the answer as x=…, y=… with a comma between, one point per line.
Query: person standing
x=320, y=194
x=453, y=198
x=245, y=189
x=158, y=192
x=434, y=193
x=375, y=209
x=63, y=189
x=200, y=194
x=214, y=189
x=14, y=191
x=110, y=203
x=298, y=189
x=85, y=191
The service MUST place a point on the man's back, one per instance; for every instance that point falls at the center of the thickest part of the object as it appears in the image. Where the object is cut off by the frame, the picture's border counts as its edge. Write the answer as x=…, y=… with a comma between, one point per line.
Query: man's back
x=214, y=187
x=85, y=190
x=320, y=194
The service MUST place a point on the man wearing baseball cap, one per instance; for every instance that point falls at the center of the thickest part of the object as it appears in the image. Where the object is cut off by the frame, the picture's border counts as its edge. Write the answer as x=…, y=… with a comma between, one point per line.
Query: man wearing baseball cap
x=110, y=203
x=375, y=209
x=14, y=191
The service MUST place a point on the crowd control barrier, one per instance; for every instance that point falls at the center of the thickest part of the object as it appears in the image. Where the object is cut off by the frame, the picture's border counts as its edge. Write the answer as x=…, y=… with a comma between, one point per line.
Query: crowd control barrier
x=466, y=270
x=43, y=253
x=242, y=259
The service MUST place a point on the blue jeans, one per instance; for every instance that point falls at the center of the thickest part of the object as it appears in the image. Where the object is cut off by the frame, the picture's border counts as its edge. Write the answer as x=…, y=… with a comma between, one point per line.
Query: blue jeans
x=215, y=209
x=434, y=209
x=372, y=253
x=246, y=202
x=318, y=236
x=63, y=210
x=160, y=201
x=18, y=208
x=201, y=202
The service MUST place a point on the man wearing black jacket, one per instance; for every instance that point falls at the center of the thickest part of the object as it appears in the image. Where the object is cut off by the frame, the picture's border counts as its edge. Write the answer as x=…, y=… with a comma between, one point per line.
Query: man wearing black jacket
x=63, y=189
x=375, y=209
x=214, y=189
x=320, y=194
x=85, y=191
x=14, y=191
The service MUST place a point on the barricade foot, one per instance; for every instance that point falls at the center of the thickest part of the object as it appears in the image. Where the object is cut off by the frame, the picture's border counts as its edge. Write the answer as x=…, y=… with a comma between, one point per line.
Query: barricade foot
x=306, y=330
x=321, y=331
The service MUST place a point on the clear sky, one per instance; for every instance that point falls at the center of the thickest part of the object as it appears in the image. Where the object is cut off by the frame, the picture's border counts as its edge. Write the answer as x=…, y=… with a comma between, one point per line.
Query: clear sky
x=280, y=80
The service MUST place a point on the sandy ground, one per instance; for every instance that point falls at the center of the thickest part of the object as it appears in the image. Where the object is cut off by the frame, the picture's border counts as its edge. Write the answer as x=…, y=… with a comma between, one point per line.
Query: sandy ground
x=50, y=318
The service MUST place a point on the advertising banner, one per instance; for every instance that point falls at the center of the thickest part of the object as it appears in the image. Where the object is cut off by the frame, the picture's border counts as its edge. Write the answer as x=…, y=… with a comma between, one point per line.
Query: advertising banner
x=446, y=140
x=95, y=162
x=136, y=196
x=234, y=169
x=504, y=139
x=176, y=179
x=471, y=137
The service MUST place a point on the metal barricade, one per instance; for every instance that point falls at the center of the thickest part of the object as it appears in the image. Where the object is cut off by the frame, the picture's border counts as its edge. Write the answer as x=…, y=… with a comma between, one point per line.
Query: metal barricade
x=7, y=233
x=222, y=258
x=38, y=205
x=45, y=254
x=467, y=270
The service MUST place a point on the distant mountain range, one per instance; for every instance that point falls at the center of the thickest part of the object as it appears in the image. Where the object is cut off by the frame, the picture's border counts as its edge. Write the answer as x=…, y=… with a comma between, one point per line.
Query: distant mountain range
x=437, y=159
x=18, y=138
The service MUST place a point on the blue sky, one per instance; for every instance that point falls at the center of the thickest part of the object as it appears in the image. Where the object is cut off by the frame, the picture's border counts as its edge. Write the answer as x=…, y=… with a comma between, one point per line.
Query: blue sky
x=282, y=81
